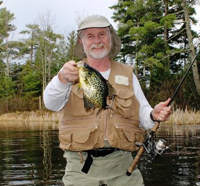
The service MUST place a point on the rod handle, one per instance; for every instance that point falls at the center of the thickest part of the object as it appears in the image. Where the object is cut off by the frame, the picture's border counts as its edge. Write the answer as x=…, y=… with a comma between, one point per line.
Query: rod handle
x=135, y=162
x=140, y=152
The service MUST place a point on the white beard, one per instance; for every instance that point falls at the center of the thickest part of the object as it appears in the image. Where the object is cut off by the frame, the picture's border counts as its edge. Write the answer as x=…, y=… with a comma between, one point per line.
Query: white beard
x=97, y=54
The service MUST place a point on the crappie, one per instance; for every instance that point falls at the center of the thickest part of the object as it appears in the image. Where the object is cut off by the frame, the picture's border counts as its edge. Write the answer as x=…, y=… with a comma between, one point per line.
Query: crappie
x=96, y=89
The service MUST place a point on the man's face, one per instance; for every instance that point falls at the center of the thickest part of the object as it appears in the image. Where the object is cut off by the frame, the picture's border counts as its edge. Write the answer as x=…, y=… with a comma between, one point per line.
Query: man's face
x=96, y=42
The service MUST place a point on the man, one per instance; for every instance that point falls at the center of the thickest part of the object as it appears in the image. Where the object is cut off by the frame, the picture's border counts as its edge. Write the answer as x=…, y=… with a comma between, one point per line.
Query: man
x=98, y=148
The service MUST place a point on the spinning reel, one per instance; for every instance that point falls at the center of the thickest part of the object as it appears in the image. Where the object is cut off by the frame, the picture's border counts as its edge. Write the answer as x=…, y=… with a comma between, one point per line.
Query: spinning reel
x=154, y=148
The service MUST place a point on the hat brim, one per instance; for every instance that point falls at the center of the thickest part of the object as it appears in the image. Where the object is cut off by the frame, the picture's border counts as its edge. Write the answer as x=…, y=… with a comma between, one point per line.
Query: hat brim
x=98, y=24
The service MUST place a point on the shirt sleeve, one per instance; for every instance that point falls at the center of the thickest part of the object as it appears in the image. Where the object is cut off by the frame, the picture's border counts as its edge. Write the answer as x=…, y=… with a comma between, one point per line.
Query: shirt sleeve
x=56, y=94
x=145, y=108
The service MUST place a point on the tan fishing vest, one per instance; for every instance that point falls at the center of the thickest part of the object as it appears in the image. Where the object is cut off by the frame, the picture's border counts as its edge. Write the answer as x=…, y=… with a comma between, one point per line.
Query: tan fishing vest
x=81, y=130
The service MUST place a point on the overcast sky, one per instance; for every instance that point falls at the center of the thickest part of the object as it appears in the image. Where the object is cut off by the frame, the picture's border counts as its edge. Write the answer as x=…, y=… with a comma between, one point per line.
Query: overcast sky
x=64, y=12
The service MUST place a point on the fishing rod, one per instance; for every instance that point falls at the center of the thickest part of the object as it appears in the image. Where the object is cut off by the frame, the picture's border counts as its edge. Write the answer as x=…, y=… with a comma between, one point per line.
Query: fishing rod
x=156, y=148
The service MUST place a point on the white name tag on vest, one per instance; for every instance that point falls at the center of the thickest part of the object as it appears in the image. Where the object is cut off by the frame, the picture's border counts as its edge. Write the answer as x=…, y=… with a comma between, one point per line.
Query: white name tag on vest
x=121, y=80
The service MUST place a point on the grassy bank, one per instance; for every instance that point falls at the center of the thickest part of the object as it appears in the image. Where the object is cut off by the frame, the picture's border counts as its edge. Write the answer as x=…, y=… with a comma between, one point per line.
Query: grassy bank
x=184, y=117
x=178, y=117
x=33, y=116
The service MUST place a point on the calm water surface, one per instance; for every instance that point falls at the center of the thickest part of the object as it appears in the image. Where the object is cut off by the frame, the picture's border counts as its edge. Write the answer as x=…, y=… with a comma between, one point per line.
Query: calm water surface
x=29, y=155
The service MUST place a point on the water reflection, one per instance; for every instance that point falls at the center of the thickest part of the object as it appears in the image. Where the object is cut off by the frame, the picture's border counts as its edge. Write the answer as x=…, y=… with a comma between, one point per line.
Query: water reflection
x=180, y=165
x=29, y=155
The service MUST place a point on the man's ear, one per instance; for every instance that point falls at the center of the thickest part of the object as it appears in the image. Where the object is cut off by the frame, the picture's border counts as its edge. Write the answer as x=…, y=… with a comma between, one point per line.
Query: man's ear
x=80, y=41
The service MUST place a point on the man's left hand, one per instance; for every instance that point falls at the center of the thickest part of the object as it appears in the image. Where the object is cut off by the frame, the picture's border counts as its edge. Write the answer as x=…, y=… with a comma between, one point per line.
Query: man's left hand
x=162, y=111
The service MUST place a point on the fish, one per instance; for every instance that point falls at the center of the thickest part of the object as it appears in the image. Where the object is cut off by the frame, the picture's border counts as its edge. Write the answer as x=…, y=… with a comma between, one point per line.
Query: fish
x=95, y=87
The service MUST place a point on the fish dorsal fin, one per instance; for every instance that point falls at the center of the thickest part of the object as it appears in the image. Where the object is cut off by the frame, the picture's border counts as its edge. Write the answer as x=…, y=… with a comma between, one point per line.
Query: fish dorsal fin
x=95, y=71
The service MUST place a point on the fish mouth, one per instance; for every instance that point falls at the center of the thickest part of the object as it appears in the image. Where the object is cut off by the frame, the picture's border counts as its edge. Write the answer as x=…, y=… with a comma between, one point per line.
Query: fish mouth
x=82, y=70
x=80, y=64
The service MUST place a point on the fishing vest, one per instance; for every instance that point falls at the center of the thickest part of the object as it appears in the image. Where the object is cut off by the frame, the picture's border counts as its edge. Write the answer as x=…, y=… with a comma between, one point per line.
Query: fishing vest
x=82, y=130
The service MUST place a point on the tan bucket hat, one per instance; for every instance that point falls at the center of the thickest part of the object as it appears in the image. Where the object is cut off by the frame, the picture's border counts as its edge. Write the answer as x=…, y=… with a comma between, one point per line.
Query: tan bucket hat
x=98, y=21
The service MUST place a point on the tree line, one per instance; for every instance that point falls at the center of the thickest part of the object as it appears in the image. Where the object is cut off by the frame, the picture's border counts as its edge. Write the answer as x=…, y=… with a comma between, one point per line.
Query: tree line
x=157, y=40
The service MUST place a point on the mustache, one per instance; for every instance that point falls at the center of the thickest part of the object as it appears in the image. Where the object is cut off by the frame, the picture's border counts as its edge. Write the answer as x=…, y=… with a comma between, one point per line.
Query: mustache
x=94, y=46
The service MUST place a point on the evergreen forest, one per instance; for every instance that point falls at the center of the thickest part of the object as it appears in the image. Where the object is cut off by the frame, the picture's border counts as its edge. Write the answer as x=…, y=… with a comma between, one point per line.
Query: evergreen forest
x=157, y=40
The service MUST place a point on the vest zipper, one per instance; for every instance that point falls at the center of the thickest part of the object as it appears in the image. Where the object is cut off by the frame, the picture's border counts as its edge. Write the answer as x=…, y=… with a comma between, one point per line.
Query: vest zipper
x=106, y=123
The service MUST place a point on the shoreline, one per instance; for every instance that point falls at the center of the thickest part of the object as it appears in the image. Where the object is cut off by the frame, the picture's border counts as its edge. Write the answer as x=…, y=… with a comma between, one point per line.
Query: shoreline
x=32, y=116
x=179, y=117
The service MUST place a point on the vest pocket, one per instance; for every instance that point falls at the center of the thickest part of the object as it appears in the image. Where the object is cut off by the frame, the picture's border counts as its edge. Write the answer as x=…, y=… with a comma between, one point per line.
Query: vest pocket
x=125, y=136
x=78, y=138
x=124, y=103
x=76, y=107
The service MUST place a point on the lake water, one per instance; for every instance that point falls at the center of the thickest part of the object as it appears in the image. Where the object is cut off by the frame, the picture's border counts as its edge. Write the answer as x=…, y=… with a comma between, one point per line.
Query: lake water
x=29, y=155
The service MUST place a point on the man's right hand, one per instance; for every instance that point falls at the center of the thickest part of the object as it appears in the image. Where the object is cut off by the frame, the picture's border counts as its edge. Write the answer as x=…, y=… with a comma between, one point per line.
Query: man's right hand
x=69, y=73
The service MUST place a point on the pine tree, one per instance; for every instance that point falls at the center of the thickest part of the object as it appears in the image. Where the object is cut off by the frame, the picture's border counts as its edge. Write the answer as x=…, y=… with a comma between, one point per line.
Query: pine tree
x=155, y=42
